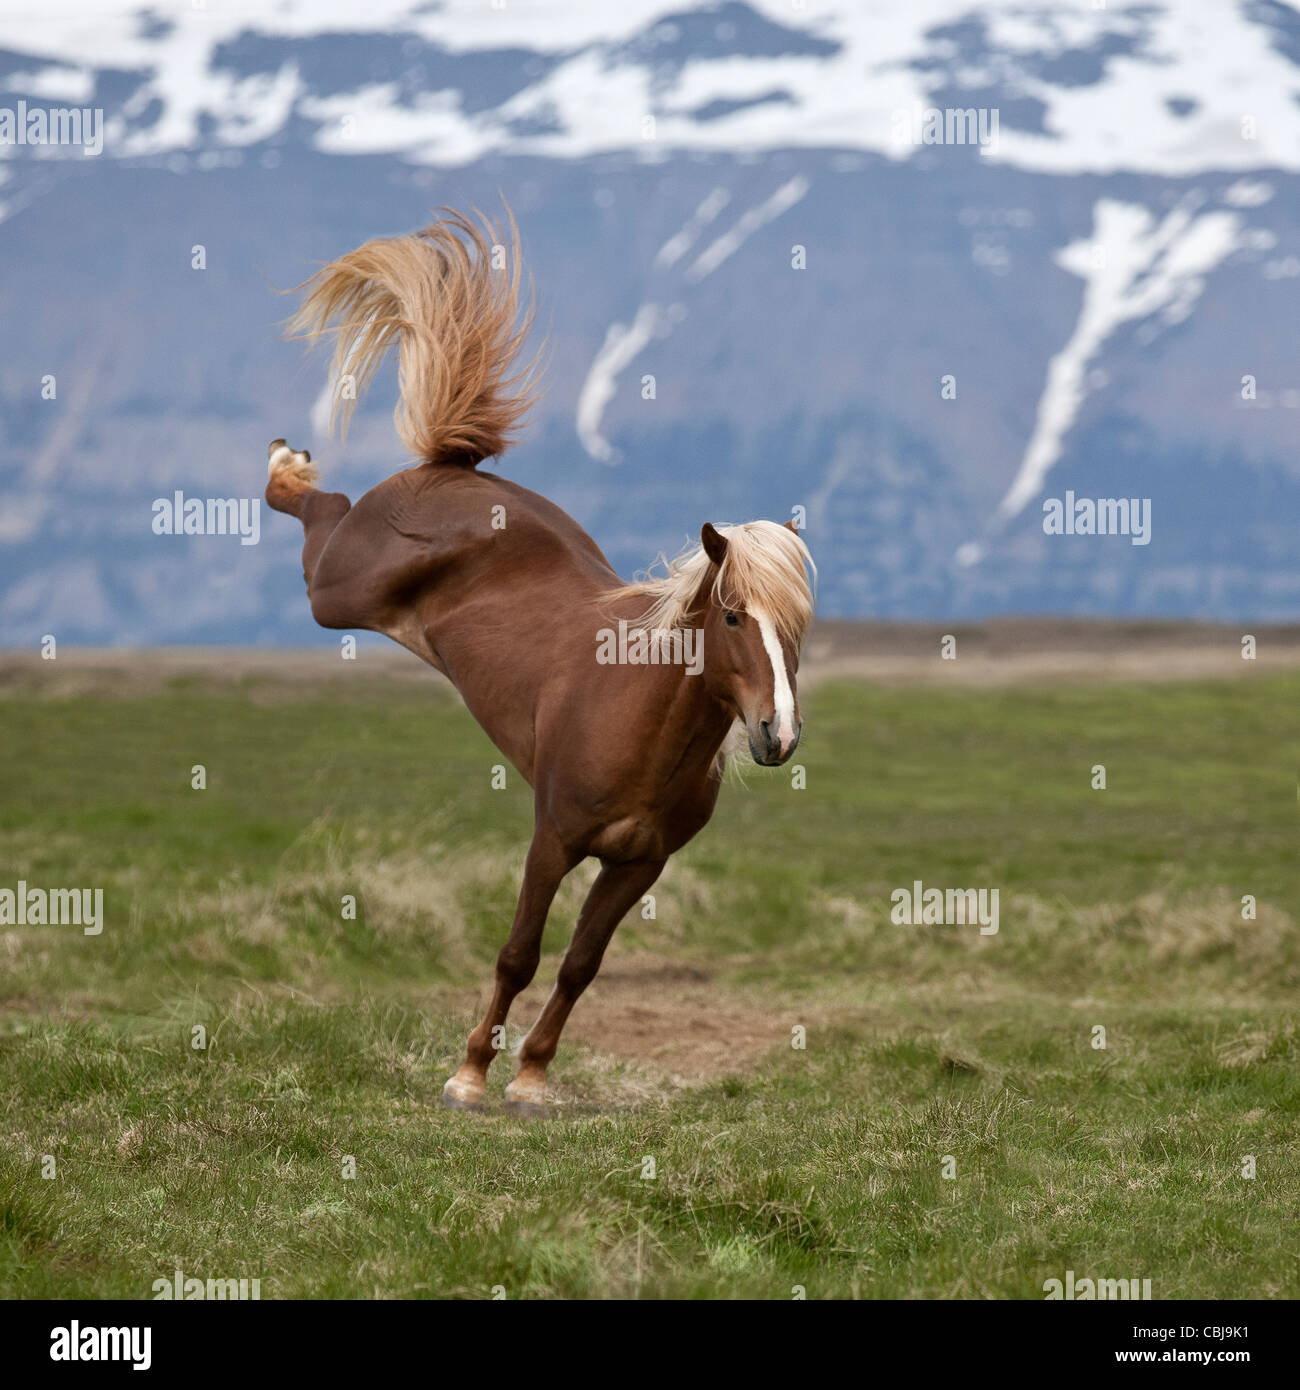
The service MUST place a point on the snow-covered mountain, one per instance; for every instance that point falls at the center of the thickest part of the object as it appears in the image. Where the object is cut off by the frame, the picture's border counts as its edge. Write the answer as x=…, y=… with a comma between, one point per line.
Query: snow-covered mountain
x=915, y=267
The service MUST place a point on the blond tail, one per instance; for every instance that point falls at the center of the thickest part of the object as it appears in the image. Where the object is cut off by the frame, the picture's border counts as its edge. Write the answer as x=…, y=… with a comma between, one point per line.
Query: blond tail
x=453, y=310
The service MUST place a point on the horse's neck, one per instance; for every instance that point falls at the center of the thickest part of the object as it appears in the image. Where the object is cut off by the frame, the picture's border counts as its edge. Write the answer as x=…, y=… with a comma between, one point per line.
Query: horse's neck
x=696, y=724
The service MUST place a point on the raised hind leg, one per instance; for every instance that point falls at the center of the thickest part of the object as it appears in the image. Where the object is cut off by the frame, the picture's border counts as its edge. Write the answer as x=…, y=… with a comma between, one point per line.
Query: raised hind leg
x=548, y=862
x=291, y=487
x=616, y=889
x=362, y=563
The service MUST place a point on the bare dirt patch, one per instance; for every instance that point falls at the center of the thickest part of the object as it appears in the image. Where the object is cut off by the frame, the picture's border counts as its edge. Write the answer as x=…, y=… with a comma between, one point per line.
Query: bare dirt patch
x=677, y=1019
x=683, y=1022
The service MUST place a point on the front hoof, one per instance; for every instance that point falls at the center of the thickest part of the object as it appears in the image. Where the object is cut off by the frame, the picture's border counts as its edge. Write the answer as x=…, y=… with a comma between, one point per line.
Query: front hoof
x=527, y=1109
x=526, y=1098
x=462, y=1095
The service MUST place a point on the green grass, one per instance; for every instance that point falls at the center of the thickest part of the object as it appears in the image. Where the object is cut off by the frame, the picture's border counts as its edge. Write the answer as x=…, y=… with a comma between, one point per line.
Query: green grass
x=819, y=1167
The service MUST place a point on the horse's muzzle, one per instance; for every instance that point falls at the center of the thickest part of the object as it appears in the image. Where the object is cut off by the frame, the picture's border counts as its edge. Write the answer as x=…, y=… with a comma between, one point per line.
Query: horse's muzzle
x=765, y=746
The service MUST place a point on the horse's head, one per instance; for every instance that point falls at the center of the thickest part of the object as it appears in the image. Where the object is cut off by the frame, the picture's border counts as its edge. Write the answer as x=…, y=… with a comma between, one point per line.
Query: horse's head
x=754, y=605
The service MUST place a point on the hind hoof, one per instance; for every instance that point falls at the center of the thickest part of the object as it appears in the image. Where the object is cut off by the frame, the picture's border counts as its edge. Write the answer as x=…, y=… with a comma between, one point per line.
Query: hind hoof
x=289, y=466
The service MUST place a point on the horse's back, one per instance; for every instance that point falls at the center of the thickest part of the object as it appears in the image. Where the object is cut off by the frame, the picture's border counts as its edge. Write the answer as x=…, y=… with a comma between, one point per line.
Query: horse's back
x=450, y=513
x=440, y=527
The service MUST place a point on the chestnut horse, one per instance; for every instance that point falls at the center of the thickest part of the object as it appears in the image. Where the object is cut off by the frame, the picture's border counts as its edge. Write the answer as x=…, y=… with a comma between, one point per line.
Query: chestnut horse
x=592, y=688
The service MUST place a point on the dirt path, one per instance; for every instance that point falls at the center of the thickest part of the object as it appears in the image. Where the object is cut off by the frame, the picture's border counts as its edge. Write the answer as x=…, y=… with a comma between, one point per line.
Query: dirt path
x=1008, y=651
x=1019, y=651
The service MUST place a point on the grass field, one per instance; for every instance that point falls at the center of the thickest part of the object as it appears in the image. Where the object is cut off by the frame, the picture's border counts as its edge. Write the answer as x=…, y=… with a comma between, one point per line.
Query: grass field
x=774, y=1166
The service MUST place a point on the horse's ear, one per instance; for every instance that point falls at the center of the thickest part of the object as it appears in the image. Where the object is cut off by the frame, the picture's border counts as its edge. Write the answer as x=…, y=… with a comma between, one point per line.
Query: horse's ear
x=714, y=543
x=791, y=525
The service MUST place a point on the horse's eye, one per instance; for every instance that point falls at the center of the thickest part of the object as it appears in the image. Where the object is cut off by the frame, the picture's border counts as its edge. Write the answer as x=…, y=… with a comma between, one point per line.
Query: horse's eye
x=732, y=620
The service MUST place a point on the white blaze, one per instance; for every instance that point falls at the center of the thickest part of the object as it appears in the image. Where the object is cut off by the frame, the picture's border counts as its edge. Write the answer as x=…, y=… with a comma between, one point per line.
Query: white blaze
x=781, y=692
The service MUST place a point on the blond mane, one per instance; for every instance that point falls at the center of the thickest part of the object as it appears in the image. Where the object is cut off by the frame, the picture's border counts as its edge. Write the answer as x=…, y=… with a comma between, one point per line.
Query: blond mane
x=765, y=570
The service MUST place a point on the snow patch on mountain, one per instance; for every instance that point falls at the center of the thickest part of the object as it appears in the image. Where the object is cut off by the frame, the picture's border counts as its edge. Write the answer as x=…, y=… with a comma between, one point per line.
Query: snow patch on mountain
x=1175, y=89
x=1133, y=268
x=623, y=342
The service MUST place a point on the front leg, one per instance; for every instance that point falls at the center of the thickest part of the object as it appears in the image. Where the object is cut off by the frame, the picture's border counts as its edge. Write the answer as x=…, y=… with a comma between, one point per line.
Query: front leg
x=615, y=890
x=548, y=862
